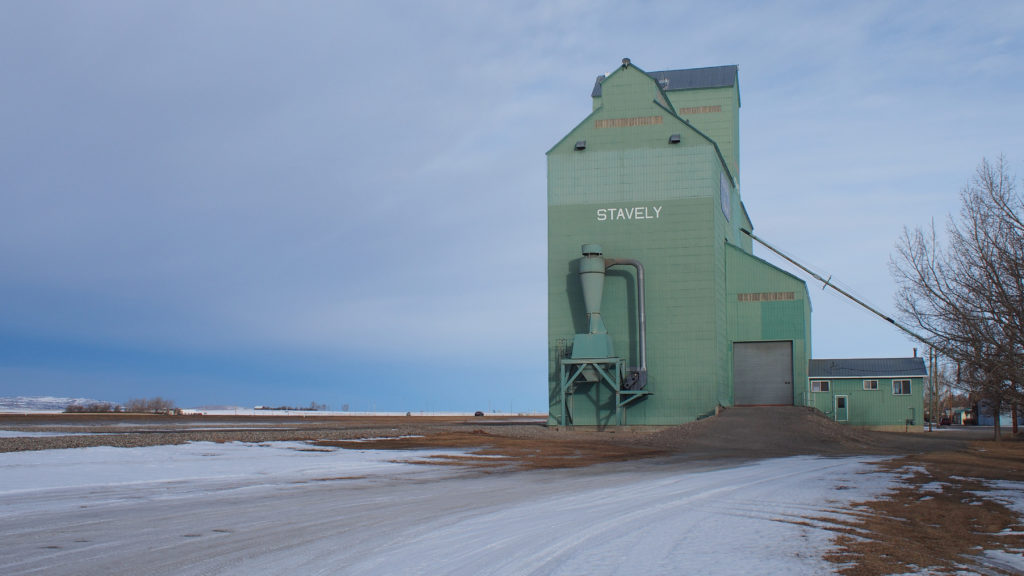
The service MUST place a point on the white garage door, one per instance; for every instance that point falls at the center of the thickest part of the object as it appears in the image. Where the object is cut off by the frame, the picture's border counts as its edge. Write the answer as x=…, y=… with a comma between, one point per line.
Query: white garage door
x=762, y=373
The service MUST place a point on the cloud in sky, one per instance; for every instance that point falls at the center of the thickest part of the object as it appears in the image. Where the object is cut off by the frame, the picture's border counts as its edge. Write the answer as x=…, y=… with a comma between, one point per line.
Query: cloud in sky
x=275, y=203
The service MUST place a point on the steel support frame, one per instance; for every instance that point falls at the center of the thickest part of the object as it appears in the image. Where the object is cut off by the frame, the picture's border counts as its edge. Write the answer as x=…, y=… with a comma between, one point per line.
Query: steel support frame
x=612, y=372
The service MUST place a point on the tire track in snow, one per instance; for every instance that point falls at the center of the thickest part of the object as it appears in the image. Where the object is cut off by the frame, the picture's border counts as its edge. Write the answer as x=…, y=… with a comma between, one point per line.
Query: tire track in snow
x=608, y=530
x=633, y=518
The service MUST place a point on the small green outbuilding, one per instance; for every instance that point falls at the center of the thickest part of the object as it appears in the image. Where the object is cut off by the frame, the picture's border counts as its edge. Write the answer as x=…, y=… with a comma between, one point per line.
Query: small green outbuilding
x=877, y=393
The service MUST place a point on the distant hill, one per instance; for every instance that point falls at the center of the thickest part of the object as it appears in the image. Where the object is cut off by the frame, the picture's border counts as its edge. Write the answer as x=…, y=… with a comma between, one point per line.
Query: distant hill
x=39, y=403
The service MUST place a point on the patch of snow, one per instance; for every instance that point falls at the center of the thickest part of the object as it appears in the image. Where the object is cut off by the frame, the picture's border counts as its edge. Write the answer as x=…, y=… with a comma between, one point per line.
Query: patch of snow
x=963, y=570
x=1005, y=492
x=377, y=438
x=908, y=472
x=1005, y=561
x=33, y=434
x=266, y=463
x=935, y=487
x=918, y=571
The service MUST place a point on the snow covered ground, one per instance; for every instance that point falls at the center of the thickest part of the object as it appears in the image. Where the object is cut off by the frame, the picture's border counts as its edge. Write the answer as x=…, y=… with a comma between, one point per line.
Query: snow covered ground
x=39, y=404
x=33, y=434
x=276, y=508
x=290, y=508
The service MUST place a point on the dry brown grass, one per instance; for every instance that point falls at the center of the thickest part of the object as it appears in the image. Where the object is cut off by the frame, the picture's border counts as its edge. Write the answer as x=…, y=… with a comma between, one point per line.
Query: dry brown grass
x=914, y=529
x=490, y=450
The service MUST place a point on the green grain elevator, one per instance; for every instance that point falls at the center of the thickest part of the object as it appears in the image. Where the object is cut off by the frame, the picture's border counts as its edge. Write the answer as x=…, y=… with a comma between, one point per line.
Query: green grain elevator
x=658, y=311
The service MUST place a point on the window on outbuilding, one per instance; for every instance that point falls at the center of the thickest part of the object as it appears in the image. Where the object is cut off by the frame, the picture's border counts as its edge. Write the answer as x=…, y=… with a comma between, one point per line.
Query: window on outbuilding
x=901, y=387
x=871, y=384
x=819, y=385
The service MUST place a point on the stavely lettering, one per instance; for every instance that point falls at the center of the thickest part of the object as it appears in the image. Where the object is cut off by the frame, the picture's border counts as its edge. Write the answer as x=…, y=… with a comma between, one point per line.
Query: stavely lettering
x=632, y=213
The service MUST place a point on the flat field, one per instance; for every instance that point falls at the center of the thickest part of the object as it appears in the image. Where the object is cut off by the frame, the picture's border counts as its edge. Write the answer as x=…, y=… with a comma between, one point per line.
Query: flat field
x=771, y=491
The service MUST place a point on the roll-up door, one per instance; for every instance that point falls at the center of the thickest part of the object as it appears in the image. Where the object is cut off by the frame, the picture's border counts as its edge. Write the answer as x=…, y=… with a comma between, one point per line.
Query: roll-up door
x=762, y=373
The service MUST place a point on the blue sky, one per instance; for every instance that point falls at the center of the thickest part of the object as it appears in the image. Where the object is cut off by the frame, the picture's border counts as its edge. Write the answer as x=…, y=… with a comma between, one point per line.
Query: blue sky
x=276, y=203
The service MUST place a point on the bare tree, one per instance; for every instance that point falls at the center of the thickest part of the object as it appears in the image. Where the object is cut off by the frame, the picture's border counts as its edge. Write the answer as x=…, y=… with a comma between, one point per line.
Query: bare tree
x=156, y=405
x=92, y=408
x=968, y=297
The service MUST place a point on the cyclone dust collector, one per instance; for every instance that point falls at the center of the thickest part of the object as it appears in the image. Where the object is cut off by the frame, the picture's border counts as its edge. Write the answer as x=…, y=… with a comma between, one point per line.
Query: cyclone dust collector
x=596, y=343
x=593, y=360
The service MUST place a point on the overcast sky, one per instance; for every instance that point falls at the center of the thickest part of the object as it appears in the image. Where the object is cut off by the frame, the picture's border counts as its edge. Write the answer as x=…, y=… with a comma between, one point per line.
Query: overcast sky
x=283, y=202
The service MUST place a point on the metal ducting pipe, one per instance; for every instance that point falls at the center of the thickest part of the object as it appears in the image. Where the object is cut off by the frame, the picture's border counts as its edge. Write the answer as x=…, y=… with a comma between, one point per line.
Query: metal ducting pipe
x=608, y=263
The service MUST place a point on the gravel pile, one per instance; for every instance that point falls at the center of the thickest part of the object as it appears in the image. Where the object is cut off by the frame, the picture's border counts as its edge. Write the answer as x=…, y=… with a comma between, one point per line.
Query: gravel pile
x=789, y=431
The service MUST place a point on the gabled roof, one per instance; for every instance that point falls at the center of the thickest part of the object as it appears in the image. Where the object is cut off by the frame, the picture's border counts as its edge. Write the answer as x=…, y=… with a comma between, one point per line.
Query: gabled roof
x=865, y=367
x=691, y=79
x=668, y=110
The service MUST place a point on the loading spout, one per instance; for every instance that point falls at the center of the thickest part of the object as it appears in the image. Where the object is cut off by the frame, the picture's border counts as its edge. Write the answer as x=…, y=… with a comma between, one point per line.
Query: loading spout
x=642, y=305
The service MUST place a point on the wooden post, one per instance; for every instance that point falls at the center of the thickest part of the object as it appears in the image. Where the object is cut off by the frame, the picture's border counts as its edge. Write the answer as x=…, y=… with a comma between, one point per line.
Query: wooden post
x=931, y=383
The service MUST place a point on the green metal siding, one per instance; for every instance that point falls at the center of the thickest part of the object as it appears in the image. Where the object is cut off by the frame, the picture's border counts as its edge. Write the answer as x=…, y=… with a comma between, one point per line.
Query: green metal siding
x=772, y=320
x=686, y=248
x=680, y=300
x=625, y=167
x=873, y=407
x=721, y=126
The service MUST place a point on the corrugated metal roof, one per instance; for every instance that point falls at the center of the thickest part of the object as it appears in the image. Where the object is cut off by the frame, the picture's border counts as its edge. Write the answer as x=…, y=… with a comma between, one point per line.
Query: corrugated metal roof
x=711, y=77
x=865, y=367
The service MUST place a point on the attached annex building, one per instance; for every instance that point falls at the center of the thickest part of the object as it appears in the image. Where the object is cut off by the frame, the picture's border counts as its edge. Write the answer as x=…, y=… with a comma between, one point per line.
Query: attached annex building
x=658, y=311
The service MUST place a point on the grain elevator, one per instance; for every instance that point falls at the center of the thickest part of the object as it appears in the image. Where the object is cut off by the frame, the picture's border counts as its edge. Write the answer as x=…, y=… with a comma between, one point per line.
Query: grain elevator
x=658, y=311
